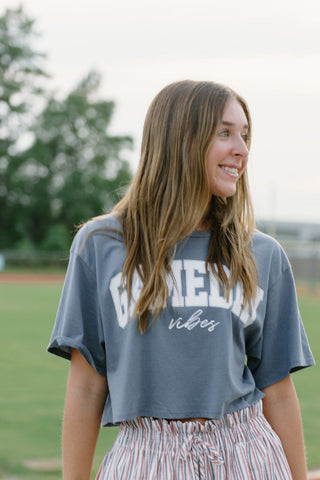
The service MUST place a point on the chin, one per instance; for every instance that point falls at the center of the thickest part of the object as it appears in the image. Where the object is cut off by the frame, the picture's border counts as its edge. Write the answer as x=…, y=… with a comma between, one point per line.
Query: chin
x=224, y=193
x=231, y=194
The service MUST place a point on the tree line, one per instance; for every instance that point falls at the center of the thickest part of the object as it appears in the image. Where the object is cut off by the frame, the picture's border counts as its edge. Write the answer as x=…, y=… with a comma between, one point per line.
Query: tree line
x=59, y=165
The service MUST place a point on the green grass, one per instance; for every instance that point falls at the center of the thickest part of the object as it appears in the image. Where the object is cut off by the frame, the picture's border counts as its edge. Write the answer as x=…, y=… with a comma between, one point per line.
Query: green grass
x=33, y=383
x=307, y=382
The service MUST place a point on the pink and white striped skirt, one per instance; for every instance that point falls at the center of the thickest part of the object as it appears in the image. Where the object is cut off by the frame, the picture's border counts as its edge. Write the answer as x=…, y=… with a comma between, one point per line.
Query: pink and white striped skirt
x=240, y=446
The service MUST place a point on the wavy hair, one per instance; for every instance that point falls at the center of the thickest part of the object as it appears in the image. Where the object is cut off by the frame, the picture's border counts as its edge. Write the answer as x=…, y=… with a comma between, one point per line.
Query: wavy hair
x=170, y=195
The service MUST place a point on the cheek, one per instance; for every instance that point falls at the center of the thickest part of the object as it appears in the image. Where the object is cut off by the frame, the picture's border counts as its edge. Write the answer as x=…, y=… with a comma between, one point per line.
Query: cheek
x=211, y=171
x=213, y=160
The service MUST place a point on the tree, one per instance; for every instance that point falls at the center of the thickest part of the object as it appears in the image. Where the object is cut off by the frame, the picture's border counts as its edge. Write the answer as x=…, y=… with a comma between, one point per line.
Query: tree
x=72, y=169
x=20, y=87
x=75, y=168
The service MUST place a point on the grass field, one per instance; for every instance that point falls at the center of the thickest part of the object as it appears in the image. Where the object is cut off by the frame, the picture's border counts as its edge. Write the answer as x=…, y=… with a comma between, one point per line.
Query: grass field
x=33, y=385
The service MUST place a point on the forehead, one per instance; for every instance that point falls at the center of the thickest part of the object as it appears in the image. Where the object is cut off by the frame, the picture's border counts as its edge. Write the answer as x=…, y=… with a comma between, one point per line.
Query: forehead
x=234, y=114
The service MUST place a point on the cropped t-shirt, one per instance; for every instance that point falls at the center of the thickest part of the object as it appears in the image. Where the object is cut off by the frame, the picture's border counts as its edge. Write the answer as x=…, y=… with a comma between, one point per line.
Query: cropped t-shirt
x=204, y=355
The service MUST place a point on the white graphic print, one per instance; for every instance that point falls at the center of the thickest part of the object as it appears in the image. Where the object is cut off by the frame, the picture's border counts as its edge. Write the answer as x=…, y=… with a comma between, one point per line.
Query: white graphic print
x=194, y=321
x=193, y=287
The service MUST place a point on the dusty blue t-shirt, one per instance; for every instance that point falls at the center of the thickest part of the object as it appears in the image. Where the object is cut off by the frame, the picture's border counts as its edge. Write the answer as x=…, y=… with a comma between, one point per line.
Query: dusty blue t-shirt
x=203, y=356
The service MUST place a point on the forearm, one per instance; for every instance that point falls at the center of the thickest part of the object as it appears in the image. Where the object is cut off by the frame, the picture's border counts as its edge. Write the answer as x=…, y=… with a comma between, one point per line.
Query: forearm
x=79, y=436
x=281, y=409
x=83, y=409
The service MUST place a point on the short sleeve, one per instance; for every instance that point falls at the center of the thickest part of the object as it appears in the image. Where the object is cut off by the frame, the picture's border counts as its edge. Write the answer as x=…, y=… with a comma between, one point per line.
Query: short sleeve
x=282, y=347
x=78, y=322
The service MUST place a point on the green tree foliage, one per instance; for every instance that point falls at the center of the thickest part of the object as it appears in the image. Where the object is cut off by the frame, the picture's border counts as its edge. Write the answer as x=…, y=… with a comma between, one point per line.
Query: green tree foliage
x=20, y=75
x=75, y=169
x=72, y=170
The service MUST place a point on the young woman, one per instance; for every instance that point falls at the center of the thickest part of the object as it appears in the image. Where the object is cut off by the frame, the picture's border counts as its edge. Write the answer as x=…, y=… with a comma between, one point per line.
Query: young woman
x=180, y=319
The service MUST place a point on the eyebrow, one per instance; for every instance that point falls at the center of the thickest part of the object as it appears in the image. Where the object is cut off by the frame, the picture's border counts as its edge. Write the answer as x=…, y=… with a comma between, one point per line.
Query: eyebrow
x=230, y=124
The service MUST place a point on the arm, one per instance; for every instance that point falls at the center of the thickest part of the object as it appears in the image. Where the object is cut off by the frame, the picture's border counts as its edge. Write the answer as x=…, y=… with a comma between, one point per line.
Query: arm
x=281, y=409
x=85, y=398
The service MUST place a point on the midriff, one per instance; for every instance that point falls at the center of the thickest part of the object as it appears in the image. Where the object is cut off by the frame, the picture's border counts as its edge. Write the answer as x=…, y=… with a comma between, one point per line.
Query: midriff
x=183, y=420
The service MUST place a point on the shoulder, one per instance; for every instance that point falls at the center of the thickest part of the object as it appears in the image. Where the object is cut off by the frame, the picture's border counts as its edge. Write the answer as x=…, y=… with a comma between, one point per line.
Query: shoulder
x=266, y=245
x=93, y=233
x=96, y=227
x=269, y=255
x=263, y=241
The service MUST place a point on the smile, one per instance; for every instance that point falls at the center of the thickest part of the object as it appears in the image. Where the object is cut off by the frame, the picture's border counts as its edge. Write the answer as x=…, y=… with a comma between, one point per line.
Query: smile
x=232, y=171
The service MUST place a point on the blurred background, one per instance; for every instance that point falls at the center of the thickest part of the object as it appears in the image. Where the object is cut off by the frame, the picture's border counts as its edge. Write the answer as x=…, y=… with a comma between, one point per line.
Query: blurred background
x=76, y=79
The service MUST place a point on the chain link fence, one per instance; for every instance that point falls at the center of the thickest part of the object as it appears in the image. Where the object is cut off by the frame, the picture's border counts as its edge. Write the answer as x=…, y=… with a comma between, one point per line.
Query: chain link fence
x=33, y=259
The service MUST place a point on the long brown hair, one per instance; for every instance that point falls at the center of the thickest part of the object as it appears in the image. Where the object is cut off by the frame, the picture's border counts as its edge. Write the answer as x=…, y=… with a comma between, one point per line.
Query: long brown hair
x=170, y=193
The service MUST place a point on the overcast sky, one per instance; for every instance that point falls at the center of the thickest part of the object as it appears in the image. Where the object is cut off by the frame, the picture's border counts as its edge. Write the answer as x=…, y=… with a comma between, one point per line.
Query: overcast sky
x=268, y=51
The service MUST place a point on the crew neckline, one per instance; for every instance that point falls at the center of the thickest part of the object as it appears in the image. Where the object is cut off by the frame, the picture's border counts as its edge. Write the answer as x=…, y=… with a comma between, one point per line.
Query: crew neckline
x=200, y=233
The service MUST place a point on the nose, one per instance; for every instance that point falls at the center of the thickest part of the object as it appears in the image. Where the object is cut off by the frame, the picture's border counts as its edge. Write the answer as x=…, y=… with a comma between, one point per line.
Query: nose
x=240, y=148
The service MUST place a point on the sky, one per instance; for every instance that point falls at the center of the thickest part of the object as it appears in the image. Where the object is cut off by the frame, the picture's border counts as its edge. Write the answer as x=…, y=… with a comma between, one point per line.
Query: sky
x=269, y=52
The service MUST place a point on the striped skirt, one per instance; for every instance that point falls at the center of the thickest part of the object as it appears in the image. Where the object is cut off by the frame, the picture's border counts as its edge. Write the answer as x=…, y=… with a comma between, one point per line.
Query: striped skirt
x=241, y=445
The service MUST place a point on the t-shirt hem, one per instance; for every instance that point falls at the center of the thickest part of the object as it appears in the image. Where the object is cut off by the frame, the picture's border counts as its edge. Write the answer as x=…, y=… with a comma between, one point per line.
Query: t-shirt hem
x=176, y=415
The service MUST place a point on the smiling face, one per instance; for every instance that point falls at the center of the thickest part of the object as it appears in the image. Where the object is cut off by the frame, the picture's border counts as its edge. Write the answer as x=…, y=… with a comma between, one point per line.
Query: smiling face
x=228, y=156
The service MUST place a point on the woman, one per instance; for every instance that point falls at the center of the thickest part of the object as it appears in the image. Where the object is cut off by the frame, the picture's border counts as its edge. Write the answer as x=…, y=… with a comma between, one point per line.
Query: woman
x=181, y=320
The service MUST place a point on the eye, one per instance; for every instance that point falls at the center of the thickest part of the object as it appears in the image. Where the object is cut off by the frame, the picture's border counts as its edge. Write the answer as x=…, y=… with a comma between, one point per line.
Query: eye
x=224, y=133
x=245, y=137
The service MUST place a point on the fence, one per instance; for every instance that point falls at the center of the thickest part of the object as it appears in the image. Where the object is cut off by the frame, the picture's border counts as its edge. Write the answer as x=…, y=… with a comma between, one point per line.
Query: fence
x=34, y=259
x=304, y=258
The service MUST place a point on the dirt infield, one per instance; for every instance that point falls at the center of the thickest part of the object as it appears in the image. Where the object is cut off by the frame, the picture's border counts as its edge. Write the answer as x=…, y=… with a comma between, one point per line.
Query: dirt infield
x=33, y=278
